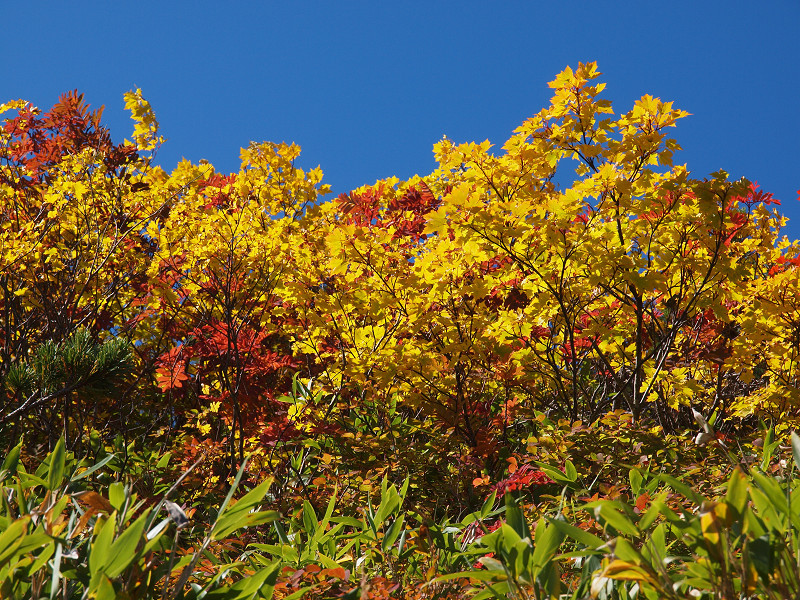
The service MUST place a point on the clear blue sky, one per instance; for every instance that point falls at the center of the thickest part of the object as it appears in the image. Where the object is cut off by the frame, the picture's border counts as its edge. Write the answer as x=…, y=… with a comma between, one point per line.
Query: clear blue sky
x=367, y=88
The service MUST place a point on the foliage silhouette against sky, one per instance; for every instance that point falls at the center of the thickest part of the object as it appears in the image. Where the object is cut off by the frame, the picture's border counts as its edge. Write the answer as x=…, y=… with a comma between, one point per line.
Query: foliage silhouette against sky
x=367, y=88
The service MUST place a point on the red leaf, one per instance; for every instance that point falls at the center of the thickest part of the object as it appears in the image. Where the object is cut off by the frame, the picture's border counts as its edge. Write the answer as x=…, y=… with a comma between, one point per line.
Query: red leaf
x=168, y=378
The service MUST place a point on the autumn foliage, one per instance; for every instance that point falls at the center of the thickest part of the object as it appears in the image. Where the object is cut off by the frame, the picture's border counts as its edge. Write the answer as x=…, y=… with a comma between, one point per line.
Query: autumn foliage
x=426, y=328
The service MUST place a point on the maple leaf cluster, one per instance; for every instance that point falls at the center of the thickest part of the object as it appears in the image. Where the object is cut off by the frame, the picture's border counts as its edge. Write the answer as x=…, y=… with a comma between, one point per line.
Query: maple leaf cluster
x=447, y=310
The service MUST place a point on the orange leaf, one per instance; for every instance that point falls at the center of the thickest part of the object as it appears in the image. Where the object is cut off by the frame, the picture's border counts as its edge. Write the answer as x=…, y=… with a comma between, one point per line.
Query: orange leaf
x=339, y=573
x=171, y=378
x=95, y=501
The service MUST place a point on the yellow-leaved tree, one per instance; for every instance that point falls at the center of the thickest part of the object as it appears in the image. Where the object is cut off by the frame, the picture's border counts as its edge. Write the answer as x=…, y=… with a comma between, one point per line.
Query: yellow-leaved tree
x=577, y=271
x=72, y=253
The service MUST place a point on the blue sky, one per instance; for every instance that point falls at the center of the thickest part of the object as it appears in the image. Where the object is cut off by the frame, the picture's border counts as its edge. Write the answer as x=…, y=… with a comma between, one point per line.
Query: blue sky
x=367, y=88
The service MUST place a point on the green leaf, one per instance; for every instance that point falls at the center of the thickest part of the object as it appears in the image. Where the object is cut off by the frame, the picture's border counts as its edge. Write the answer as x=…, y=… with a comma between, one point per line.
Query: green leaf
x=123, y=550
x=550, y=578
x=349, y=521
x=625, y=551
x=515, y=518
x=616, y=519
x=153, y=536
x=736, y=494
x=501, y=539
x=55, y=474
x=101, y=545
x=326, y=518
x=234, y=521
x=579, y=535
x=500, y=590
x=635, y=477
x=34, y=540
x=657, y=508
x=242, y=514
x=56, y=575
x=310, y=521
x=773, y=491
x=553, y=473
x=682, y=488
x=390, y=502
x=404, y=487
x=328, y=562
x=570, y=471
x=284, y=552
x=164, y=461
x=11, y=538
x=655, y=548
x=392, y=533
x=762, y=554
x=768, y=450
x=402, y=542
x=249, y=587
x=116, y=495
x=488, y=504
x=11, y=462
x=769, y=436
x=795, y=449
x=494, y=572
x=520, y=558
x=282, y=537
x=103, y=589
x=93, y=468
x=236, y=481
x=299, y=594
x=548, y=539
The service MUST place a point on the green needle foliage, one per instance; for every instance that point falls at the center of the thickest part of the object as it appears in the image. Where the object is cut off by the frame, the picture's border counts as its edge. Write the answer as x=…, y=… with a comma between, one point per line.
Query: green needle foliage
x=57, y=368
